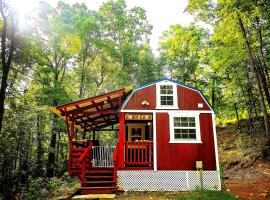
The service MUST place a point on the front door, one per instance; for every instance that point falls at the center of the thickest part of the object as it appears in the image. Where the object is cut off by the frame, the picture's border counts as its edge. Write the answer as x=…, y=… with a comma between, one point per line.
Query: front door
x=136, y=132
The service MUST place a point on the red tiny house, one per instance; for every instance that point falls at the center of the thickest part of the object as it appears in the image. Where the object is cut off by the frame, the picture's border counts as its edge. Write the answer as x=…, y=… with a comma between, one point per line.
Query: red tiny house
x=164, y=128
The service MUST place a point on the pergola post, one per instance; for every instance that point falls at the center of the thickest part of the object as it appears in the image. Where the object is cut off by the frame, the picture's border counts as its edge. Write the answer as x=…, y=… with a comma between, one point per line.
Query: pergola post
x=84, y=132
x=121, y=140
x=94, y=135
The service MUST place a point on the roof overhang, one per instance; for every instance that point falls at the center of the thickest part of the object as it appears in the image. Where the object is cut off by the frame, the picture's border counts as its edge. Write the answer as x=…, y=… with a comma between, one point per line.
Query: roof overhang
x=94, y=113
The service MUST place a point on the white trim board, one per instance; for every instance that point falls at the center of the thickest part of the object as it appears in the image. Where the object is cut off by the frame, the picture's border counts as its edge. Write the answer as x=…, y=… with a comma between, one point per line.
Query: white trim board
x=215, y=143
x=155, y=141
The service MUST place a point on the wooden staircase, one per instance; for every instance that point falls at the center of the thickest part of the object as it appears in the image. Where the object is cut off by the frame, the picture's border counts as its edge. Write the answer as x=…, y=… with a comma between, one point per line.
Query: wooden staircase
x=99, y=180
x=94, y=180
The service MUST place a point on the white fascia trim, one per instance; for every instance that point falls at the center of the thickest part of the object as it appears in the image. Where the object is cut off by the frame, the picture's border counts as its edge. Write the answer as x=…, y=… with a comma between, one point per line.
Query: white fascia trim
x=155, y=141
x=216, y=147
x=197, y=127
x=123, y=106
x=168, y=111
x=175, y=100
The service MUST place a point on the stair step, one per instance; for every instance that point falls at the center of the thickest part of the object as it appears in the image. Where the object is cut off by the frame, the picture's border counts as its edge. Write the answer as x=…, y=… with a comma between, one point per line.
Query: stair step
x=97, y=190
x=99, y=177
x=95, y=196
x=97, y=182
x=99, y=174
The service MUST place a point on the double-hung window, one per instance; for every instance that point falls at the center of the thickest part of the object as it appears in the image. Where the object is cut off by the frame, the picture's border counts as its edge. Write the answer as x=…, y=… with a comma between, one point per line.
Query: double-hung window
x=184, y=128
x=166, y=96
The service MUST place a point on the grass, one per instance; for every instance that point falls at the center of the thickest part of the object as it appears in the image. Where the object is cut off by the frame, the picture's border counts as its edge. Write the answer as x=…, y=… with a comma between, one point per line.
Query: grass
x=161, y=195
x=206, y=195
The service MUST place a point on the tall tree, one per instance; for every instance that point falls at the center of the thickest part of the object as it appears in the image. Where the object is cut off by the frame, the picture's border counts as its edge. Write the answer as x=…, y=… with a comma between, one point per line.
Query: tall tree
x=8, y=32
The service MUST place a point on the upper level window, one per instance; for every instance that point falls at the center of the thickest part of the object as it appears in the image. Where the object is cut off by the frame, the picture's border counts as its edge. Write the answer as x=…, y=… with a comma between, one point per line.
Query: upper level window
x=184, y=128
x=166, y=96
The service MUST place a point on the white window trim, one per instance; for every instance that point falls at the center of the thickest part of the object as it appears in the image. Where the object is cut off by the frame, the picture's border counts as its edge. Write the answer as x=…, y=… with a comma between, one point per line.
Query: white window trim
x=197, y=127
x=175, y=100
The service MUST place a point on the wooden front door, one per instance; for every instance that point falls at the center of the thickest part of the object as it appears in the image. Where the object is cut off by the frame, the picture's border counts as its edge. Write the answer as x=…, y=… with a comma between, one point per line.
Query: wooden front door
x=136, y=132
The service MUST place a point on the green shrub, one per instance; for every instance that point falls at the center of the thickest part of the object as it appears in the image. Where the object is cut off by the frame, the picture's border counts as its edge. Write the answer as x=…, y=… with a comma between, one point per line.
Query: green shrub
x=45, y=188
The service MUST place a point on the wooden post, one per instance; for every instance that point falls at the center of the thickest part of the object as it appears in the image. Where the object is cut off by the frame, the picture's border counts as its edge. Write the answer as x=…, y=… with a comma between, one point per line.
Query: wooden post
x=94, y=135
x=84, y=132
x=121, y=140
x=71, y=135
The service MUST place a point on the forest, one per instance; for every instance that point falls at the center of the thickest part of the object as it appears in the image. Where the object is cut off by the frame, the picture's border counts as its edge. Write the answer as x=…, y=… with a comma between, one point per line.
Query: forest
x=69, y=52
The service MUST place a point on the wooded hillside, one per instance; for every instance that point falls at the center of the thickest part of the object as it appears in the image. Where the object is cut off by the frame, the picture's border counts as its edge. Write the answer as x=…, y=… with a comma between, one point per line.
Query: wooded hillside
x=66, y=53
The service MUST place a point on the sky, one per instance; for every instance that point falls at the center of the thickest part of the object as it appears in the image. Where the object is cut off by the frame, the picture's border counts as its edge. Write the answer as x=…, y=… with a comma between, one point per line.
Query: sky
x=160, y=13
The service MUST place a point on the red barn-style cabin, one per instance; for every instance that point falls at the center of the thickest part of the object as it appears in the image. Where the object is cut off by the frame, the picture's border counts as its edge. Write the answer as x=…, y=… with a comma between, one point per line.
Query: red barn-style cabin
x=166, y=131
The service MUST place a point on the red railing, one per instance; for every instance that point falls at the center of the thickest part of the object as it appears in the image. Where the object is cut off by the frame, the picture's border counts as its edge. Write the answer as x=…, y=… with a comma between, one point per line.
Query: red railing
x=139, y=153
x=115, y=161
x=83, y=159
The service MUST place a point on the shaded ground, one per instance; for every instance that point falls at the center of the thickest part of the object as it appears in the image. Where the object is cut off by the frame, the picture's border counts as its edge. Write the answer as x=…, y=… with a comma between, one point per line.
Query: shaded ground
x=247, y=175
x=252, y=182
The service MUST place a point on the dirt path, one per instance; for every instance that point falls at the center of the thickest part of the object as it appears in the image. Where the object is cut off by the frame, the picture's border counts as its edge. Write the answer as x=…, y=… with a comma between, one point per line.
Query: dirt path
x=249, y=183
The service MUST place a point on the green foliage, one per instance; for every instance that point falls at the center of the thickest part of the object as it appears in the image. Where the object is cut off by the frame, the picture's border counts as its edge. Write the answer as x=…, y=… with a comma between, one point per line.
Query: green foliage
x=45, y=188
x=180, y=50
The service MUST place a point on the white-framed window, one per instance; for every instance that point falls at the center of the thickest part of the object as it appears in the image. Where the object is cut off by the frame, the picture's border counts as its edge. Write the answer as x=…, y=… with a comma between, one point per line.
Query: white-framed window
x=184, y=128
x=166, y=95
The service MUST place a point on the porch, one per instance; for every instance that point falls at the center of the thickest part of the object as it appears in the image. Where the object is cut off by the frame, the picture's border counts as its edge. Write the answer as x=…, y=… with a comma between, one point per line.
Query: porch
x=93, y=162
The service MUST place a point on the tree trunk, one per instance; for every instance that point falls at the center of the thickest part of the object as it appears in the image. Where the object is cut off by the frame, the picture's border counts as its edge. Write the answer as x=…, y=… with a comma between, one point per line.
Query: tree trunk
x=247, y=102
x=261, y=54
x=213, y=94
x=264, y=83
x=39, y=165
x=51, y=156
x=254, y=69
x=237, y=116
x=6, y=59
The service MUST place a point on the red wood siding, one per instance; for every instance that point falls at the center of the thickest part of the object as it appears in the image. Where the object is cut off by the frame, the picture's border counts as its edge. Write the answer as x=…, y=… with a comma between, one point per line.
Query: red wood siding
x=184, y=156
x=148, y=94
x=188, y=99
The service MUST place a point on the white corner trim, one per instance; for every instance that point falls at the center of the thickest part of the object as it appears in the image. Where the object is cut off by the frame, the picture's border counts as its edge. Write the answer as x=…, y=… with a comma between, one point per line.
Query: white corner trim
x=125, y=103
x=175, y=95
x=216, y=147
x=155, y=141
x=197, y=127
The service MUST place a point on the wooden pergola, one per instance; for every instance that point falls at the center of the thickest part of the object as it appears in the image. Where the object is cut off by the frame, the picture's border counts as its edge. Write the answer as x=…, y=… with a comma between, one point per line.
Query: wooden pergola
x=92, y=114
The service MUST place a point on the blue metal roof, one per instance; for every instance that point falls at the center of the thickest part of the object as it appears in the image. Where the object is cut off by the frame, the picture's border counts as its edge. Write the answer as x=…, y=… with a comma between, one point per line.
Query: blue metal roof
x=167, y=79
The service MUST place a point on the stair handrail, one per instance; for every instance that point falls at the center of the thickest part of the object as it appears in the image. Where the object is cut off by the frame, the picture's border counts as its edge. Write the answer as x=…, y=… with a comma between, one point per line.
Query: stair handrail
x=86, y=151
x=83, y=159
x=115, y=161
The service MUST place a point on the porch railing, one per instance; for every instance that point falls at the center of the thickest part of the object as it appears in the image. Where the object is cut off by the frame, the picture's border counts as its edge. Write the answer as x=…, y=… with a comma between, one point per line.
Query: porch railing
x=103, y=156
x=87, y=151
x=139, y=153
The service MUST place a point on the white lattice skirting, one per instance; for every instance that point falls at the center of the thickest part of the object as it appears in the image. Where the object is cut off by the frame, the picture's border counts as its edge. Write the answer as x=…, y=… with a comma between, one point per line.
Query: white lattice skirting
x=149, y=180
